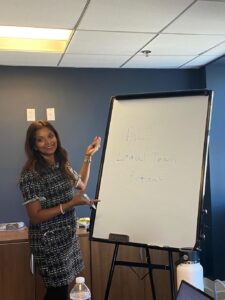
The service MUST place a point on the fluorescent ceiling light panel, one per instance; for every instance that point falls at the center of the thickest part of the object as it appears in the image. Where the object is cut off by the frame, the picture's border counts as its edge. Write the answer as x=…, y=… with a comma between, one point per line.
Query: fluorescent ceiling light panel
x=14, y=38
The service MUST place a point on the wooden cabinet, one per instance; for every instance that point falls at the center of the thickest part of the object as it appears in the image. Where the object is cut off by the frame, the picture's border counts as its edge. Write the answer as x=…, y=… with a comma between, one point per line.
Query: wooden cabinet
x=18, y=283
x=86, y=253
x=16, y=280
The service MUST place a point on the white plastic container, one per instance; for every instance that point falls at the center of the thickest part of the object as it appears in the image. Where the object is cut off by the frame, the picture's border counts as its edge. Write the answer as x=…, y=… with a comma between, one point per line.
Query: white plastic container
x=190, y=269
x=192, y=273
x=80, y=291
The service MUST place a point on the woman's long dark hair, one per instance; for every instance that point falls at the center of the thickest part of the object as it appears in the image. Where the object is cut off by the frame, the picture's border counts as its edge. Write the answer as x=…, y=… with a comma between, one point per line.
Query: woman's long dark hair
x=35, y=161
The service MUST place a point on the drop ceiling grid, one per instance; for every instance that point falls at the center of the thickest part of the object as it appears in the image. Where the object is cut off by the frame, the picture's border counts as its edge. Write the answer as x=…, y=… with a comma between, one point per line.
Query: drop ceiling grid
x=106, y=28
x=176, y=44
x=112, y=33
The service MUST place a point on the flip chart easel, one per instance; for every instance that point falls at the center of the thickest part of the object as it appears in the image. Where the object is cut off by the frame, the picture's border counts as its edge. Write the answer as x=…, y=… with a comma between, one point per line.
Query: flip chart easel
x=152, y=176
x=148, y=265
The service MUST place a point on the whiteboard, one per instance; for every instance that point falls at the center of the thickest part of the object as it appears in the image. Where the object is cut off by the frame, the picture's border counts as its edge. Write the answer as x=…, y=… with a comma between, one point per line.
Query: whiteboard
x=151, y=182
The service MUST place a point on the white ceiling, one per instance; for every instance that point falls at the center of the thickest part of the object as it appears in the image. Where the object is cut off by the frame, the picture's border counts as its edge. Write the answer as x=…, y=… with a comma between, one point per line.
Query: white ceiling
x=113, y=33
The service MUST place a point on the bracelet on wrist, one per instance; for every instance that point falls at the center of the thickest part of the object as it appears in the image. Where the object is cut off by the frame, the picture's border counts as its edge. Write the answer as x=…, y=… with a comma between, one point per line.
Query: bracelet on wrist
x=87, y=159
x=61, y=209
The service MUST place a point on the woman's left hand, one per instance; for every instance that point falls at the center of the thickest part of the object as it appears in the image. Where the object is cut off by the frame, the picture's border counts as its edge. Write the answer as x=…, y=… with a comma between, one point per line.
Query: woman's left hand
x=82, y=199
x=93, y=147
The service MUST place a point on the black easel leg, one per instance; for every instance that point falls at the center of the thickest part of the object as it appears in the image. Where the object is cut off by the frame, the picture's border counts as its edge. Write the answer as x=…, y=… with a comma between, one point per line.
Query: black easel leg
x=150, y=273
x=172, y=280
x=111, y=271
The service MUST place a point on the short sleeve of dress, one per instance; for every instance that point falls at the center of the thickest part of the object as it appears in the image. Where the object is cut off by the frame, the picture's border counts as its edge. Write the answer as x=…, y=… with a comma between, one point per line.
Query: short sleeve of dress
x=30, y=187
x=75, y=174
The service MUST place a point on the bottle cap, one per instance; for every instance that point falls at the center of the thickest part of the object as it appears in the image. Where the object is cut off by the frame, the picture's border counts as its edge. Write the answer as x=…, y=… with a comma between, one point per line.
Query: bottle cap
x=80, y=280
x=190, y=255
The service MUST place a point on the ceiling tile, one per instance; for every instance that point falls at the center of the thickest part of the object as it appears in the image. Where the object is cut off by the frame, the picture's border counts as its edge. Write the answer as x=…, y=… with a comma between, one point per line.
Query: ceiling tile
x=117, y=43
x=29, y=59
x=140, y=61
x=93, y=61
x=177, y=44
x=131, y=15
x=219, y=50
x=204, y=17
x=42, y=13
x=199, y=61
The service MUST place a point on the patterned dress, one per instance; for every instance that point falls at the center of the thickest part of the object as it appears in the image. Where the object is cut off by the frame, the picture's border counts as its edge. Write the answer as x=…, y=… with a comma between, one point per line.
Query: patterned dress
x=54, y=243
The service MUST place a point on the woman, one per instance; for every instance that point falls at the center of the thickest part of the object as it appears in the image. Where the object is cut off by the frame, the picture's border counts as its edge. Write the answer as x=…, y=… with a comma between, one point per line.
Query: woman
x=47, y=184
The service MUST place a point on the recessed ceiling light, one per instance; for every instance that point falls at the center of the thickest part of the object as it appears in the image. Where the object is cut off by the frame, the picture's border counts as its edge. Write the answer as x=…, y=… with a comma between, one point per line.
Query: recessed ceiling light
x=14, y=38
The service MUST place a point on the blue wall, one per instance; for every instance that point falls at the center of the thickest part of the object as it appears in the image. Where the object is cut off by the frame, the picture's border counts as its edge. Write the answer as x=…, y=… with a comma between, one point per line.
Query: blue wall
x=81, y=98
x=215, y=78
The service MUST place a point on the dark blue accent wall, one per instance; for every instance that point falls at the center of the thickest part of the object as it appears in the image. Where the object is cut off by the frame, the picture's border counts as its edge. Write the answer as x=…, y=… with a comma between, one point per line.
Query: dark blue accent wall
x=81, y=99
x=215, y=78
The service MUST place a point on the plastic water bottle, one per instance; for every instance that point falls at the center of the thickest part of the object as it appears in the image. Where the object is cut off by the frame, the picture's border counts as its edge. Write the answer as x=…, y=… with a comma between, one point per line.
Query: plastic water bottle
x=80, y=291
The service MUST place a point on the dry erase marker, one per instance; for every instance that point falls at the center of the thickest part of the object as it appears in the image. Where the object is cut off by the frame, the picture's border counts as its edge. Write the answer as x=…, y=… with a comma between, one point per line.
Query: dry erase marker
x=86, y=196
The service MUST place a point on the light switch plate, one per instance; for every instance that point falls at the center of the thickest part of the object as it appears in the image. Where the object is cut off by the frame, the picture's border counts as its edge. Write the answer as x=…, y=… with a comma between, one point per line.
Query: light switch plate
x=30, y=114
x=50, y=114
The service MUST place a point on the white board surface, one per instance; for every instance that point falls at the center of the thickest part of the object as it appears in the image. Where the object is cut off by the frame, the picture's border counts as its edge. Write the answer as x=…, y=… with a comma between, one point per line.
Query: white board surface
x=152, y=173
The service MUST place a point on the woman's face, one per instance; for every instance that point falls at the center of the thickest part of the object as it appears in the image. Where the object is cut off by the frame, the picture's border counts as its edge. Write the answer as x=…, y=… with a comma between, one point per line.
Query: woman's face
x=45, y=141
